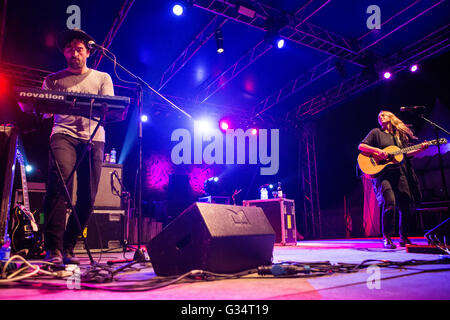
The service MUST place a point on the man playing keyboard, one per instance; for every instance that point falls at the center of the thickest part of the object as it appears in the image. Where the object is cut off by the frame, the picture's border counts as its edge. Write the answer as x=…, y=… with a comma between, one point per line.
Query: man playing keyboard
x=67, y=140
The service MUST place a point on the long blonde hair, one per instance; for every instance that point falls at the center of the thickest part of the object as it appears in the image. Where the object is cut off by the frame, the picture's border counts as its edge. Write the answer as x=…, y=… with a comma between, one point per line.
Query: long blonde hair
x=401, y=130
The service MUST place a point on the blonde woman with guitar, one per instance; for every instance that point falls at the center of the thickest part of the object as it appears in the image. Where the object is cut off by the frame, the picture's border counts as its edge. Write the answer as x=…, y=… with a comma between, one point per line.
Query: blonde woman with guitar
x=394, y=180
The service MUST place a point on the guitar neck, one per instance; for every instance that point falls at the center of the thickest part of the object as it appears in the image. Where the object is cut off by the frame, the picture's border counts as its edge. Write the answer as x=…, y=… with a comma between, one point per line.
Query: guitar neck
x=408, y=149
x=418, y=146
x=26, y=201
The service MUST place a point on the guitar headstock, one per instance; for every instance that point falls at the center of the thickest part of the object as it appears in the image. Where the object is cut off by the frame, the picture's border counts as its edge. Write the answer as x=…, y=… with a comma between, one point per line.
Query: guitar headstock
x=441, y=141
x=19, y=157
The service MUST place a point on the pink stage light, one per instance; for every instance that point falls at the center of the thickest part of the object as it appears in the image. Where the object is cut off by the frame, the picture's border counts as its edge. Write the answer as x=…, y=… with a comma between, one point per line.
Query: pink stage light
x=224, y=125
x=414, y=68
x=387, y=75
x=157, y=170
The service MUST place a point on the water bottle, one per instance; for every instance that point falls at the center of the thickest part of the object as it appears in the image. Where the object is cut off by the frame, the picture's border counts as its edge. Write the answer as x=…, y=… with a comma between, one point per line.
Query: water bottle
x=113, y=155
x=264, y=194
x=5, y=249
x=279, y=191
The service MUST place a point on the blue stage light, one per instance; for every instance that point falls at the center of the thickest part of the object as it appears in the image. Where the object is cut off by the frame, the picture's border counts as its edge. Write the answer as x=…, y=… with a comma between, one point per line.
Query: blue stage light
x=280, y=43
x=177, y=10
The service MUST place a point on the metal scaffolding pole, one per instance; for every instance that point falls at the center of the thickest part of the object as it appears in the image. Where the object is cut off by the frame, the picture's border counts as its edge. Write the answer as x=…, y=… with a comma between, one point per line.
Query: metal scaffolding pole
x=309, y=183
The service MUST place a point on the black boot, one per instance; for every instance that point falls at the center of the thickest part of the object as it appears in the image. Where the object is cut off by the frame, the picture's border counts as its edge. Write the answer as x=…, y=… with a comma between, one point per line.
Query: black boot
x=69, y=257
x=54, y=256
x=404, y=241
x=387, y=243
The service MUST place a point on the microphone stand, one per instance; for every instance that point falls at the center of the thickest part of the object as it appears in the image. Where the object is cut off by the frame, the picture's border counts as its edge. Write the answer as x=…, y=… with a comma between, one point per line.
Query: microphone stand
x=139, y=255
x=438, y=128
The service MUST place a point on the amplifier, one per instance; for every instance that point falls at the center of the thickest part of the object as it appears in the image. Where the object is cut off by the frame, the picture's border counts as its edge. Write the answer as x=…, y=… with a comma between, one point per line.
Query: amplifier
x=106, y=197
x=105, y=231
x=281, y=214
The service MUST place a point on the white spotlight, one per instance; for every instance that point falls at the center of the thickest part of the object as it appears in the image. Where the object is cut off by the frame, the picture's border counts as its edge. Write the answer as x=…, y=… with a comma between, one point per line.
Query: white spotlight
x=177, y=10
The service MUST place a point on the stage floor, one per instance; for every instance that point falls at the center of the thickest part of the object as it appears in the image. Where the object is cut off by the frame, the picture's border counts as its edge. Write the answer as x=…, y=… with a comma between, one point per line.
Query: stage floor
x=409, y=282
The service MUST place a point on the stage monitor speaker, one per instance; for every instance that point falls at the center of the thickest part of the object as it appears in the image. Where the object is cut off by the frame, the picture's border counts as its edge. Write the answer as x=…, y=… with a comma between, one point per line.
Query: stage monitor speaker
x=106, y=196
x=440, y=233
x=213, y=237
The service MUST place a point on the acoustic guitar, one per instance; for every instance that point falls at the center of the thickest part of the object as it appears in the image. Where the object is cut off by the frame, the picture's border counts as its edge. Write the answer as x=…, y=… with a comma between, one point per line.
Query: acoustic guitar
x=371, y=165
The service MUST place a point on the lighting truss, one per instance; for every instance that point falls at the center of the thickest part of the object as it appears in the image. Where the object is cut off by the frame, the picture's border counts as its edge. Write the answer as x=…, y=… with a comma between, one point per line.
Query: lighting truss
x=309, y=183
x=423, y=49
x=23, y=76
x=328, y=65
x=294, y=28
x=231, y=72
x=186, y=55
x=295, y=85
x=121, y=15
x=331, y=43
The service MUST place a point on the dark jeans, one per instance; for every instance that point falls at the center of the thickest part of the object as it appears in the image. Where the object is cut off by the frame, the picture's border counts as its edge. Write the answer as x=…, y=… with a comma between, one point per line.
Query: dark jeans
x=67, y=150
x=392, y=192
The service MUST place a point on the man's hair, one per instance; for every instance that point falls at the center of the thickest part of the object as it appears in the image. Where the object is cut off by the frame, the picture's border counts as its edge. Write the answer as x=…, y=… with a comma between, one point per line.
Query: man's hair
x=68, y=36
x=84, y=41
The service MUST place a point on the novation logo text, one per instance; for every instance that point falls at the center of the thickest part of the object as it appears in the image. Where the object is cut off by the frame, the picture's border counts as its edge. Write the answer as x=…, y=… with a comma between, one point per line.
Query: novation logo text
x=40, y=95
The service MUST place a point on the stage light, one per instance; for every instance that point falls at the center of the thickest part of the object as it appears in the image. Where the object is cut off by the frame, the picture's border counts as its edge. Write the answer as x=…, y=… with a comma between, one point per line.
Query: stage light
x=271, y=186
x=28, y=168
x=216, y=179
x=280, y=43
x=414, y=68
x=203, y=125
x=144, y=118
x=224, y=125
x=254, y=131
x=246, y=11
x=177, y=10
x=219, y=40
x=387, y=75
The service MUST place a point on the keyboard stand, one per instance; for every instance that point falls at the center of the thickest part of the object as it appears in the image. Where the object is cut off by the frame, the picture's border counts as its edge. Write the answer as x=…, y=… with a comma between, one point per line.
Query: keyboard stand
x=64, y=184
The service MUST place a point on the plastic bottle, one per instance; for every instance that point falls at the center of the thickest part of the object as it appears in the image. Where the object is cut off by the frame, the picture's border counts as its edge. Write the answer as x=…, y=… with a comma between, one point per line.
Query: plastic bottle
x=5, y=249
x=264, y=194
x=279, y=191
x=113, y=155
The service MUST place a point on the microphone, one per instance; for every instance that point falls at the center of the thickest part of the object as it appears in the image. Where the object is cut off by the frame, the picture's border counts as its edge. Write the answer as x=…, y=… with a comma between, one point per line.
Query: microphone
x=415, y=108
x=92, y=45
x=281, y=270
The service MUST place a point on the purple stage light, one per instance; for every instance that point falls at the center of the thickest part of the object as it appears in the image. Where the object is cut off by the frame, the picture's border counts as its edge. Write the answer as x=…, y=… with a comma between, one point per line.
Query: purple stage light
x=387, y=75
x=197, y=177
x=158, y=169
x=414, y=68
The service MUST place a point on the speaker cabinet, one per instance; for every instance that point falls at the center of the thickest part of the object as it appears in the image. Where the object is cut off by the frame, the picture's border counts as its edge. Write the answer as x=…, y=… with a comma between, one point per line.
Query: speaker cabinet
x=106, y=197
x=213, y=237
x=281, y=214
x=105, y=231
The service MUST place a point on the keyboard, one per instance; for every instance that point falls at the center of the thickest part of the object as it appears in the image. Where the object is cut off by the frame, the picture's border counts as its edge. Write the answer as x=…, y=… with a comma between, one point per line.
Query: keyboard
x=35, y=100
